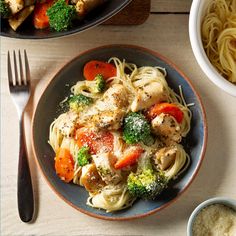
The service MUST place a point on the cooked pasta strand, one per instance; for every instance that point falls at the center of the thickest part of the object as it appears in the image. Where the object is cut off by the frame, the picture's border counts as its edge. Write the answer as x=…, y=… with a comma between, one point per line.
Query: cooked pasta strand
x=142, y=85
x=219, y=36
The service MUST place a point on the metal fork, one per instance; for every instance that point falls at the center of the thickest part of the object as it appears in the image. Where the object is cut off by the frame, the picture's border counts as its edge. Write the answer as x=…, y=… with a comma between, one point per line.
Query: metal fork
x=19, y=86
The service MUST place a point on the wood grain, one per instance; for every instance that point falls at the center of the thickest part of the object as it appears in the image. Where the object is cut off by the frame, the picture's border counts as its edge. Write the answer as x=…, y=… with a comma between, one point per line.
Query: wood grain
x=164, y=33
x=138, y=11
x=135, y=13
x=174, y=6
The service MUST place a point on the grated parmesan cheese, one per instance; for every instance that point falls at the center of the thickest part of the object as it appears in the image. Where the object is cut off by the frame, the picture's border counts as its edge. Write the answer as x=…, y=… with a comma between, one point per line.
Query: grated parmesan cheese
x=215, y=220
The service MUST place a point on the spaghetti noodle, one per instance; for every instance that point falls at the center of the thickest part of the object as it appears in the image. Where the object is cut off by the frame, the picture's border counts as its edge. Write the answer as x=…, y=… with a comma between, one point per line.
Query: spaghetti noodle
x=219, y=36
x=97, y=132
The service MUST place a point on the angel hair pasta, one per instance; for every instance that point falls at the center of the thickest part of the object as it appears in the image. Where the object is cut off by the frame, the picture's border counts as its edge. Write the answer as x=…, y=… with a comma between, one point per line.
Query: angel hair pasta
x=219, y=36
x=121, y=136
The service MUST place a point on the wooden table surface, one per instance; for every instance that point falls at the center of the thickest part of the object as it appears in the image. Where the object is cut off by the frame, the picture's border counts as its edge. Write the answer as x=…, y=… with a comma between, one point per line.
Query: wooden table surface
x=165, y=31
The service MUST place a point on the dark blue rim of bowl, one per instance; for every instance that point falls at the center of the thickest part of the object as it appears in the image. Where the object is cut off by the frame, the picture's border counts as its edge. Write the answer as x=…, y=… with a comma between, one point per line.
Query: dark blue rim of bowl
x=72, y=31
x=203, y=150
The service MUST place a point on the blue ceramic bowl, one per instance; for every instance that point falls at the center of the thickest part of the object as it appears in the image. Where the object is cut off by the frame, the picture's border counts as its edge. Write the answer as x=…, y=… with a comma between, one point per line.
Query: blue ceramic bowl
x=96, y=17
x=217, y=200
x=47, y=110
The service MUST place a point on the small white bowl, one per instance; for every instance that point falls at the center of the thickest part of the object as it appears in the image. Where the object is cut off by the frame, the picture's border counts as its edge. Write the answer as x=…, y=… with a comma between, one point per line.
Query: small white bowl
x=217, y=200
x=197, y=13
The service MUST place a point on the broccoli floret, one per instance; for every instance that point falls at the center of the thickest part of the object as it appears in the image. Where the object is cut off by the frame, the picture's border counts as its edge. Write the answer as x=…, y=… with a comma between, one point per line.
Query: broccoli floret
x=98, y=84
x=136, y=128
x=61, y=15
x=84, y=156
x=5, y=11
x=146, y=183
x=79, y=102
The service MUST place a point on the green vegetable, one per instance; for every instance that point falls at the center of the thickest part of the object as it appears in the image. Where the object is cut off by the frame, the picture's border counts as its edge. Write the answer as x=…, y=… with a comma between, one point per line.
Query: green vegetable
x=95, y=86
x=84, y=156
x=79, y=102
x=146, y=183
x=5, y=11
x=61, y=15
x=136, y=128
x=98, y=85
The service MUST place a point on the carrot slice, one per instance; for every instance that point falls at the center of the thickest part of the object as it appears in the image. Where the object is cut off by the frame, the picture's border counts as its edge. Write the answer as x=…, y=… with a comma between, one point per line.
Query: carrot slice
x=130, y=158
x=93, y=68
x=64, y=164
x=40, y=18
x=166, y=108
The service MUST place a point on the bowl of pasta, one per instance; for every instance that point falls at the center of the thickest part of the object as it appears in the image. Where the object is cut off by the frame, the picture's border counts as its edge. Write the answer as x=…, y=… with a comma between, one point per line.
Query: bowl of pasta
x=212, y=31
x=119, y=132
x=29, y=19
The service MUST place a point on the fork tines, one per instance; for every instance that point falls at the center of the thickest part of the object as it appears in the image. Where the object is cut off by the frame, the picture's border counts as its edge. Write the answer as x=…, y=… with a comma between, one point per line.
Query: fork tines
x=19, y=78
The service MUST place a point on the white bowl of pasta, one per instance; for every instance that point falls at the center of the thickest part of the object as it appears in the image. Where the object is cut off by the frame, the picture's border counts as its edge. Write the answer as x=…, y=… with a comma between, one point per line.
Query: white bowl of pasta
x=212, y=32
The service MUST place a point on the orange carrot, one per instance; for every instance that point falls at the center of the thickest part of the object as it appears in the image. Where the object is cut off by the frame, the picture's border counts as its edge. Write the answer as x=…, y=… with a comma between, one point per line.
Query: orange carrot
x=93, y=68
x=130, y=157
x=40, y=18
x=166, y=108
x=64, y=165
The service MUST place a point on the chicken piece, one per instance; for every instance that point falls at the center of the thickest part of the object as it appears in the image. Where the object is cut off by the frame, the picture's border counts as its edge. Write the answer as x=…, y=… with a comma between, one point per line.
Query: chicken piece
x=91, y=179
x=167, y=128
x=165, y=157
x=107, y=112
x=118, y=144
x=116, y=95
x=148, y=96
x=85, y=6
x=15, y=5
x=105, y=166
x=16, y=20
x=66, y=123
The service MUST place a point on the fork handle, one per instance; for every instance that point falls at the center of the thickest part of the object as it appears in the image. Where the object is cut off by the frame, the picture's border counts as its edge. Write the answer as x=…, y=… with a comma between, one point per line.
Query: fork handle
x=25, y=195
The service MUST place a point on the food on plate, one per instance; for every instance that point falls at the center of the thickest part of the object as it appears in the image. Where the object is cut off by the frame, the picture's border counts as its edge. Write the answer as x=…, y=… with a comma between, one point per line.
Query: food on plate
x=4, y=9
x=59, y=15
x=85, y=6
x=215, y=219
x=121, y=136
x=16, y=20
x=219, y=36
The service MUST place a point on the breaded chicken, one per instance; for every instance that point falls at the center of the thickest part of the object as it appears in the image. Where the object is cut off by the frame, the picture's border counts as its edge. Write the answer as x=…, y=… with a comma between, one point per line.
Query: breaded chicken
x=166, y=127
x=165, y=157
x=148, y=96
x=90, y=179
x=85, y=6
x=15, y=5
x=105, y=166
x=107, y=112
